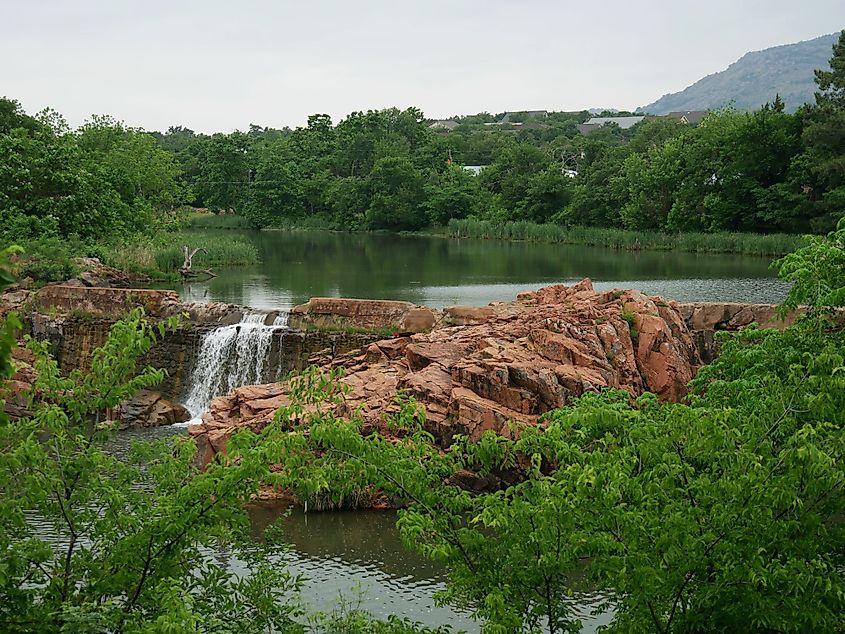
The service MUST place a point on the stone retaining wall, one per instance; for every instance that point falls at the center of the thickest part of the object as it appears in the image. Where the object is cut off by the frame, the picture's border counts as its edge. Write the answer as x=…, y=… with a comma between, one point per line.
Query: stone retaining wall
x=74, y=339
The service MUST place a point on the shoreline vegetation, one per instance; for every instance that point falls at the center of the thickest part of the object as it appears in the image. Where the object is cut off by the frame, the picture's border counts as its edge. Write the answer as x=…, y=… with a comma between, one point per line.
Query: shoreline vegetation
x=159, y=256
x=773, y=244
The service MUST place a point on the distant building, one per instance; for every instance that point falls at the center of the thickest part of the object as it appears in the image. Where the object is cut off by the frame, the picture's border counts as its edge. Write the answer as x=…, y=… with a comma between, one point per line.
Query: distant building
x=596, y=122
x=475, y=169
x=445, y=125
x=690, y=117
x=622, y=122
x=509, y=117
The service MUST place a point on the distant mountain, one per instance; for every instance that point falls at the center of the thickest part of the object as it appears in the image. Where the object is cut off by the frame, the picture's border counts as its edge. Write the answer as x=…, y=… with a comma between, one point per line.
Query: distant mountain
x=755, y=78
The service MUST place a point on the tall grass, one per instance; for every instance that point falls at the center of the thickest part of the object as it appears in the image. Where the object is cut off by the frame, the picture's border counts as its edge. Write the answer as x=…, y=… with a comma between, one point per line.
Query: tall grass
x=164, y=254
x=229, y=221
x=774, y=244
x=218, y=221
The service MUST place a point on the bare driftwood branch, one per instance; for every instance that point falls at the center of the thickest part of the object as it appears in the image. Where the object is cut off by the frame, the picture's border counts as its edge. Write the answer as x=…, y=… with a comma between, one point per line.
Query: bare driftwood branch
x=187, y=265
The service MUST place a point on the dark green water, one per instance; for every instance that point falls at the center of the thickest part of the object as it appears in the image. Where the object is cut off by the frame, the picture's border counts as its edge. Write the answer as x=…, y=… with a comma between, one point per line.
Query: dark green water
x=354, y=559
x=440, y=271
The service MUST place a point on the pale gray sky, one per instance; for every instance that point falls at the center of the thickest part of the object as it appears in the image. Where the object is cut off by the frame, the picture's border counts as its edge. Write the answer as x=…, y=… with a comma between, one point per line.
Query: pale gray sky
x=218, y=65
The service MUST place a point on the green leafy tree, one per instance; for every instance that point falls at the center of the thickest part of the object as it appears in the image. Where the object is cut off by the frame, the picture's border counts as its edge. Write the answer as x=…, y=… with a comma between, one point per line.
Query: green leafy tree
x=276, y=191
x=825, y=140
x=452, y=194
x=225, y=164
x=395, y=191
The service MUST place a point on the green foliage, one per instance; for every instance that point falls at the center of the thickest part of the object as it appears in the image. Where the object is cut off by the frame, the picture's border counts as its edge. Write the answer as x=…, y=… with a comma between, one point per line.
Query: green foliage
x=818, y=272
x=103, y=179
x=11, y=324
x=49, y=259
x=223, y=250
x=357, y=622
x=90, y=542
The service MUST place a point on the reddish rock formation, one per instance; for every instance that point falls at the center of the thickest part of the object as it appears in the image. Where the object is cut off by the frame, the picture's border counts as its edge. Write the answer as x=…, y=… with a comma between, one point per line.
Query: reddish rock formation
x=62, y=298
x=151, y=409
x=98, y=275
x=362, y=313
x=733, y=316
x=13, y=392
x=523, y=359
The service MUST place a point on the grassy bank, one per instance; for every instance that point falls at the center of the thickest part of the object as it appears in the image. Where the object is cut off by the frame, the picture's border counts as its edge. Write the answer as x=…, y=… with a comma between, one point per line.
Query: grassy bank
x=164, y=253
x=775, y=244
x=217, y=221
x=53, y=259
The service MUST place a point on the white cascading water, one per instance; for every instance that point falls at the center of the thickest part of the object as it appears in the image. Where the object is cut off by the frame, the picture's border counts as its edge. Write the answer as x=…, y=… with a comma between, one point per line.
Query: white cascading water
x=230, y=357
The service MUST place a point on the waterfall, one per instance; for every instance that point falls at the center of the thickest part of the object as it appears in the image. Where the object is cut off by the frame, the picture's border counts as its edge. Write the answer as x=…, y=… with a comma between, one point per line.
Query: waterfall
x=232, y=356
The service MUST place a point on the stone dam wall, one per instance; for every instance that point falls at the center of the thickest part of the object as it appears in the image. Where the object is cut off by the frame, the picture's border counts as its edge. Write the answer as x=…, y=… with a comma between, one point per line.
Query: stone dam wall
x=74, y=338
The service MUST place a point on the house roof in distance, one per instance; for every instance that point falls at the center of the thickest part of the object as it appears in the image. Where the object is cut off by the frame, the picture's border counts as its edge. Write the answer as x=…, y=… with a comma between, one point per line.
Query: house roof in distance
x=622, y=122
x=688, y=116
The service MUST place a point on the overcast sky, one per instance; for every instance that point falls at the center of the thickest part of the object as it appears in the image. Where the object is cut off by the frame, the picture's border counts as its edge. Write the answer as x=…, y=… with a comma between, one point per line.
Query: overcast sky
x=217, y=65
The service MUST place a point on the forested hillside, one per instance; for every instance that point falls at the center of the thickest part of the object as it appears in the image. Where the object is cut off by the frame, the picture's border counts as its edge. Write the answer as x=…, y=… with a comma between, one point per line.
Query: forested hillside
x=754, y=79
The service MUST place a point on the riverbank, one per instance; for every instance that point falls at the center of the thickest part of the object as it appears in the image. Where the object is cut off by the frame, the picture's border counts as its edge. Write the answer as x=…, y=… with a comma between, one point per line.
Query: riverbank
x=159, y=257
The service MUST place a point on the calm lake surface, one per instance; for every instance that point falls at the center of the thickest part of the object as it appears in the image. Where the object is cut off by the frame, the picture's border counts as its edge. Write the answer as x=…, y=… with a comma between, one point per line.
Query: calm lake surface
x=437, y=272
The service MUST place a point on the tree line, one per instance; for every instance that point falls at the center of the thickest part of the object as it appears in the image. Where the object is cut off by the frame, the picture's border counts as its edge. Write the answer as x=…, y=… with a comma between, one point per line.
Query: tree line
x=764, y=171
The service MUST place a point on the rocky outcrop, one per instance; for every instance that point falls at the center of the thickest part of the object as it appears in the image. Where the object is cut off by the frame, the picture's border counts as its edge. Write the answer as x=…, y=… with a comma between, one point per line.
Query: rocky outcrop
x=151, y=409
x=14, y=392
x=146, y=409
x=96, y=274
x=525, y=358
x=733, y=316
x=372, y=314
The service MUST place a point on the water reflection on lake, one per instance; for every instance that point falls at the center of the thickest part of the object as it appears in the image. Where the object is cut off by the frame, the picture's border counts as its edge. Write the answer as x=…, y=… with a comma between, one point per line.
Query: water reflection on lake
x=296, y=266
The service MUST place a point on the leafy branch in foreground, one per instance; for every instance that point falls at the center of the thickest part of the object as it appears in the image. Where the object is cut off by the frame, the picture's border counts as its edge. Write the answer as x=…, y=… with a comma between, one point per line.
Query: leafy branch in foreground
x=92, y=542
x=722, y=514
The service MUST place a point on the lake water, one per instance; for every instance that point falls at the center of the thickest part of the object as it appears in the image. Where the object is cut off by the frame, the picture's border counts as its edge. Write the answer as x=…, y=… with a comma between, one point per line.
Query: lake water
x=437, y=272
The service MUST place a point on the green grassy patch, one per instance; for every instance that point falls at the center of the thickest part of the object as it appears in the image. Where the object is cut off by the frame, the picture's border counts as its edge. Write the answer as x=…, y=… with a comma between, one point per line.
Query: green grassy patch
x=218, y=221
x=775, y=244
